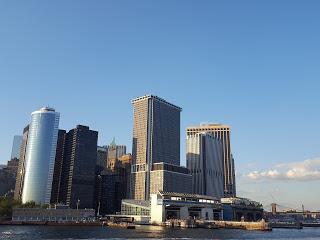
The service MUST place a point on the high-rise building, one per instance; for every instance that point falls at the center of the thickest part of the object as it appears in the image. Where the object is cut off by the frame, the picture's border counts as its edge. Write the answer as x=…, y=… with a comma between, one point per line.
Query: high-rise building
x=113, y=186
x=21, y=168
x=8, y=177
x=16, y=145
x=114, y=152
x=101, y=158
x=12, y=166
x=78, y=170
x=40, y=156
x=221, y=132
x=205, y=162
x=156, y=139
x=56, y=181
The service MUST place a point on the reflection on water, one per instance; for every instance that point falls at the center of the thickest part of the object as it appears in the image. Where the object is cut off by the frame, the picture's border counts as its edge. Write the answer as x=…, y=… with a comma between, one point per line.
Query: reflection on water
x=144, y=232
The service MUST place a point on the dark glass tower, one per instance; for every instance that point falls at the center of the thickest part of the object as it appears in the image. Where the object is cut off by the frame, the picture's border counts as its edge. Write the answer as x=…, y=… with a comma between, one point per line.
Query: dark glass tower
x=58, y=166
x=78, y=170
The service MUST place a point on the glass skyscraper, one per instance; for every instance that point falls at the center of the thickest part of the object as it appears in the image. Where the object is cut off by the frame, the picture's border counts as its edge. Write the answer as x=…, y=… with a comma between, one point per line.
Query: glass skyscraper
x=16, y=145
x=40, y=156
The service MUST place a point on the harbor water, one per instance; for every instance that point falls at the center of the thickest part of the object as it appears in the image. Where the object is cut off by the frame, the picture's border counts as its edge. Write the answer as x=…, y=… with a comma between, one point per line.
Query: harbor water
x=145, y=232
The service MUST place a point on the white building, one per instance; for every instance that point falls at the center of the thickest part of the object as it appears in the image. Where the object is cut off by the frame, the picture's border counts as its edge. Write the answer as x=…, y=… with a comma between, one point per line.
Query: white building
x=169, y=205
x=205, y=162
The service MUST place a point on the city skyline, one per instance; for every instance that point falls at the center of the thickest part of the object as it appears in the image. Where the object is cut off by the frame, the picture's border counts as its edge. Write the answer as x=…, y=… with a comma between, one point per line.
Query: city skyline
x=251, y=66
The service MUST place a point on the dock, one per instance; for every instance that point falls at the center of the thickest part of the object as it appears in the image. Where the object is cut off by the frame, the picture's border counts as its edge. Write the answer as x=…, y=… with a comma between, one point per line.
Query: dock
x=257, y=226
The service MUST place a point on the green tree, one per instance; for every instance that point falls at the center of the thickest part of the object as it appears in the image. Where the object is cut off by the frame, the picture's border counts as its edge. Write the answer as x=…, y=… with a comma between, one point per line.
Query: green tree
x=6, y=206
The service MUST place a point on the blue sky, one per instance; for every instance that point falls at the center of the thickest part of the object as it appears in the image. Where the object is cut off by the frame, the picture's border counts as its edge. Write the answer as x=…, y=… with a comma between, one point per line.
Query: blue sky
x=254, y=65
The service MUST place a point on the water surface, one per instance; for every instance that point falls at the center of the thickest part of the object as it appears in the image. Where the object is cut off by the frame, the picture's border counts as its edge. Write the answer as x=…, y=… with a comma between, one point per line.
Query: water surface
x=145, y=232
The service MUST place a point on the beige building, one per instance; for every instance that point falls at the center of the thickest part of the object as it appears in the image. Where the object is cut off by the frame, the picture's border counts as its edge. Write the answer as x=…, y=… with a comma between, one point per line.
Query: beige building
x=221, y=132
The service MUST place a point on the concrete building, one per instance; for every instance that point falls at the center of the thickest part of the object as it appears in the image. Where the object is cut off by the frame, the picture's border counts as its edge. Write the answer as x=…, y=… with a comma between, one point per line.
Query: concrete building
x=21, y=168
x=169, y=205
x=113, y=186
x=7, y=177
x=16, y=145
x=59, y=213
x=40, y=156
x=12, y=166
x=164, y=206
x=221, y=132
x=78, y=170
x=114, y=152
x=205, y=162
x=156, y=138
x=169, y=178
x=237, y=209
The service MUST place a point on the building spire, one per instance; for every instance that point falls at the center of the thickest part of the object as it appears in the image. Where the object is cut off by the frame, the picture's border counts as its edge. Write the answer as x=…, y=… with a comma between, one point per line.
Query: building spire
x=113, y=143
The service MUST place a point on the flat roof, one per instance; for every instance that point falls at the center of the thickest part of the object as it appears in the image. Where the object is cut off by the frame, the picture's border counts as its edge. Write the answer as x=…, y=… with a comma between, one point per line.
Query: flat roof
x=156, y=98
x=209, y=125
x=141, y=203
x=188, y=195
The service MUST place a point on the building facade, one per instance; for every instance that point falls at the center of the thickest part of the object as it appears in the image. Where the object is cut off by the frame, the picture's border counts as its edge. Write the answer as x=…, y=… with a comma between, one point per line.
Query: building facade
x=21, y=168
x=40, y=156
x=171, y=205
x=113, y=186
x=114, y=152
x=56, y=180
x=205, y=162
x=169, y=178
x=156, y=138
x=238, y=209
x=101, y=158
x=16, y=145
x=221, y=132
x=58, y=213
x=78, y=170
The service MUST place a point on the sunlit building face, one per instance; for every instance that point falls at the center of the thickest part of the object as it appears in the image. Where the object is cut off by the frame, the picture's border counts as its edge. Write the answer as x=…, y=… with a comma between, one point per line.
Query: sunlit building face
x=40, y=156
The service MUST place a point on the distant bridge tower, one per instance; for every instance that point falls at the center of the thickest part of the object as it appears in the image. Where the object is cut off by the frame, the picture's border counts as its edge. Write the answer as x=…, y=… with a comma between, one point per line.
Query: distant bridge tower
x=274, y=208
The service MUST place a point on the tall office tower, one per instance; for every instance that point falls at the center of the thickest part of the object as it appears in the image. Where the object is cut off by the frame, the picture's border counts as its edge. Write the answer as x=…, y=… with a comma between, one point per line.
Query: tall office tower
x=16, y=145
x=205, y=162
x=221, y=132
x=40, y=156
x=156, y=139
x=114, y=151
x=58, y=166
x=78, y=170
x=21, y=168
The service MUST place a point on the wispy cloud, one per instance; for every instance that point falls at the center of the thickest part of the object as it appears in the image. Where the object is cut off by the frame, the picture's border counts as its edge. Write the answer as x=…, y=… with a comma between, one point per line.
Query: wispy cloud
x=306, y=170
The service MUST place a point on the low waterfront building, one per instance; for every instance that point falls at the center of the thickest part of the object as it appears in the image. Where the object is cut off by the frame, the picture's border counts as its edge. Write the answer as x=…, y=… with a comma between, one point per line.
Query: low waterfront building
x=60, y=213
x=171, y=205
x=137, y=211
x=238, y=209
